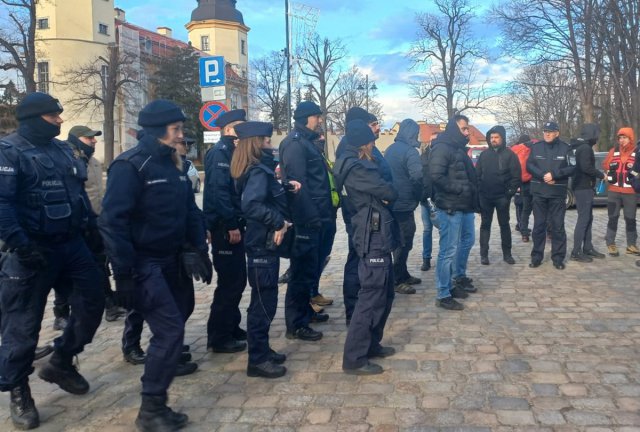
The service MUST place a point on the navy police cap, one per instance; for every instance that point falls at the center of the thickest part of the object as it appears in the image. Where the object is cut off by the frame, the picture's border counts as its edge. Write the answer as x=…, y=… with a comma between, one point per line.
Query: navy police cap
x=253, y=129
x=230, y=117
x=160, y=112
x=551, y=127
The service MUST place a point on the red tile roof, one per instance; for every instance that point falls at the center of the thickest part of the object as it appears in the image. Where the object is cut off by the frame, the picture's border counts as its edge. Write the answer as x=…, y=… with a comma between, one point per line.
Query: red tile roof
x=476, y=137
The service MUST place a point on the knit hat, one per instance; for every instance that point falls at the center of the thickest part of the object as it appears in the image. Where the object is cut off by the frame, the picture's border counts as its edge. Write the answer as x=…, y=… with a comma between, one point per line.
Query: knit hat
x=359, y=133
x=306, y=109
x=254, y=129
x=36, y=104
x=355, y=113
x=524, y=138
x=628, y=132
x=230, y=117
x=160, y=112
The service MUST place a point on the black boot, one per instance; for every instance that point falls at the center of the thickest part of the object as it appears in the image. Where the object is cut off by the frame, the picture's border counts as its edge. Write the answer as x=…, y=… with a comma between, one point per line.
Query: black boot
x=156, y=416
x=60, y=370
x=112, y=311
x=426, y=264
x=135, y=355
x=23, y=410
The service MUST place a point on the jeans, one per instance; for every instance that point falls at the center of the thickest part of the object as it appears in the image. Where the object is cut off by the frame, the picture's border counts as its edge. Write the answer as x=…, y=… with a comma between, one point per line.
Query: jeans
x=450, y=233
x=427, y=232
x=467, y=239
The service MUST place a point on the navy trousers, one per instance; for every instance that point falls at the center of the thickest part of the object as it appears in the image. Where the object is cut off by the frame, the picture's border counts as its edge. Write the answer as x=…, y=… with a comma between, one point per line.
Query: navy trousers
x=23, y=297
x=350, y=281
x=263, y=279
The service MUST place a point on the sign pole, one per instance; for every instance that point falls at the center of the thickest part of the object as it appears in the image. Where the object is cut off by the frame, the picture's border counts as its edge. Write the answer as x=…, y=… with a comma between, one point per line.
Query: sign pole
x=288, y=54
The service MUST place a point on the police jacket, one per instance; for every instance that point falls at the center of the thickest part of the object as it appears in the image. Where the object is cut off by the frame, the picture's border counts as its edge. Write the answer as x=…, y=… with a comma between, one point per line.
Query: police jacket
x=581, y=155
x=264, y=204
x=452, y=174
x=221, y=202
x=404, y=160
x=301, y=160
x=42, y=195
x=549, y=157
x=93, y=186
x=149, y=208
x=498, y=169
x=366, y=190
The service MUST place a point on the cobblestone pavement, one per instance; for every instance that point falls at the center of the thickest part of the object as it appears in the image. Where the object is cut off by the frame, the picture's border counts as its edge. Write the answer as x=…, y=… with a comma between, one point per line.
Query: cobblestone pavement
x=534, y=350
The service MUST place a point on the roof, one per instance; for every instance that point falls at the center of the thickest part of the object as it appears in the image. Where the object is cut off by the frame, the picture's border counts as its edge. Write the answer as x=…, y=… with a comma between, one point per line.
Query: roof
x=426, y=130
x=154, y=43
x=223, y=10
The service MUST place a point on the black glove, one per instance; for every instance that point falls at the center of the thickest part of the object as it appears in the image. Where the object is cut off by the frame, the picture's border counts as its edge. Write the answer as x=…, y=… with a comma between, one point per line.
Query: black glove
x=94, y=240
x=125, y=292
x=30, y=257
x=197, y=264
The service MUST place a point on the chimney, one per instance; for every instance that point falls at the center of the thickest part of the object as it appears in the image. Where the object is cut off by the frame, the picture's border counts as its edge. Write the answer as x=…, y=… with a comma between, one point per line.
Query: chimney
x=121, y=15
x=165, y=31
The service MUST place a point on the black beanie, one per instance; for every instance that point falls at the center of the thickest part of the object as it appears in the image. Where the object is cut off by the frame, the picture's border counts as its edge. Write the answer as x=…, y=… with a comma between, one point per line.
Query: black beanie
x=359, y=133
x=36, y=104
x=524, y=138
x=160, y=112
x=357, y=113
x=306, y=109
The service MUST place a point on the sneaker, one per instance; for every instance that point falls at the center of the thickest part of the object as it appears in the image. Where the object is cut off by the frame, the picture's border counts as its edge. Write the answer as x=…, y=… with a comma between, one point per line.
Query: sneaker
x=367, y=369
x=459, y=292
x=426, y=264
x=135, y=355
x=60, y=323
x=484, y=260
x=525, y=238
x=65, y=375
x=594, y=254
x=509, y=259
x=266, y=369
x=404, y=289
x=633, y=250
x=450, y=304
x=466, y=284
x=316, y=308
x=412, y=280
x=613, y=250
x=580, y=257
x=319, y=318
x=305, y=334
x=322, y=300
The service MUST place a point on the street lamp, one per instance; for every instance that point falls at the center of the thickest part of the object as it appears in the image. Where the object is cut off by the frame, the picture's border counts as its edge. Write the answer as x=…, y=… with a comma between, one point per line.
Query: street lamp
x=367, y=88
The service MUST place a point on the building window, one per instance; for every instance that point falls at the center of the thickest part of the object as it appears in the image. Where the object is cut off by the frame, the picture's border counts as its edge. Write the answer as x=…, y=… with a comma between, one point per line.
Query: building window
x=204, y=43
x=43, y=77
x=42, y=23
x=243, y=47
x=103, y=29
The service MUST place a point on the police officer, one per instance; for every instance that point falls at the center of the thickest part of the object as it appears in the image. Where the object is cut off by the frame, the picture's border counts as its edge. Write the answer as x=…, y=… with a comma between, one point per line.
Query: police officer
x=373, y=239
x=550, y=171
x=264, y=206
x=151, y=226
x=221, y=205
x=43, y=211
x=312, y=215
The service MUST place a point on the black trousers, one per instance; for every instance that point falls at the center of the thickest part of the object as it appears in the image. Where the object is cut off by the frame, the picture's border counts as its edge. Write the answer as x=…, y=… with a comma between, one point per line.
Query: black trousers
x=231, y=267
x=549, y=211
x=501, y=205
x=407, y=224
x=23, y=297
x=263, y=279
x=350, y=281
x=582, y=233
x=527, y=208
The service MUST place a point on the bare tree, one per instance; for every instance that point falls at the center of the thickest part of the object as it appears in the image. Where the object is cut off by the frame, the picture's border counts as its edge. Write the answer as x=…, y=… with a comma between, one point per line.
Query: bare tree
x=271, y=85
x=349, y=94
x=96, y=86
x=18, y=39
x=446, y=52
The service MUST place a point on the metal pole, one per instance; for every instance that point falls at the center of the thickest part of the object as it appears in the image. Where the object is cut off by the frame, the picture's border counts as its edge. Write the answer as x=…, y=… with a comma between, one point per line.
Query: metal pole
x=288, y=54
x=366, y=86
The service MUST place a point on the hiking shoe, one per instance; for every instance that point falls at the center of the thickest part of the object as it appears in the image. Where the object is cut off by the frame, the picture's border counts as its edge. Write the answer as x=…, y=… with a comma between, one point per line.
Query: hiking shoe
x=426, y=264
x=322, y=300
x=65, y=375
x=276, y=357
x=403, y=288
x=316, y=308
x=24, y=414
x=594, y=254
x=613, y=250
x=633, y=250
x=319, y=318
x=459, y=292
x=412, y=280
x=186, y=368
x=367, y=369
x=580, y=257
x=305, y=334
x=466, y=284
x=267, y=369
x=450, y=304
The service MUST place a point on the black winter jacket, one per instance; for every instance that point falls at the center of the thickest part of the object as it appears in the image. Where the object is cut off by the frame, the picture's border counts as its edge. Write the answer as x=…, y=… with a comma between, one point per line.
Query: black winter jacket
x=498, y=169
x=221, y=202
x=427, y=186
x=582, y=157
x=452, y=173
x=404, y=160
x=549, y=157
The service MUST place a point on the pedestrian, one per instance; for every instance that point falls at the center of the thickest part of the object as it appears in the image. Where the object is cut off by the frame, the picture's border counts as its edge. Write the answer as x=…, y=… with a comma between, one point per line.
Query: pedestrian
x=313, y=217
x=264, y=206
x=221, y=205
x=455, y=189
x=522, y=149
x=373, y=239
x=583, y=185
x=155, y=238
x=406, y=171
x=550, y=172
x=498, y=171
x=427, y=208
x=620, y=194
x=44, y=210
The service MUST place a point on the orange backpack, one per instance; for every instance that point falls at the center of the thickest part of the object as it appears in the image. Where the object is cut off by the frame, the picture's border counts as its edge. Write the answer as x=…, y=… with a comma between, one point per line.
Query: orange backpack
x=522, y=151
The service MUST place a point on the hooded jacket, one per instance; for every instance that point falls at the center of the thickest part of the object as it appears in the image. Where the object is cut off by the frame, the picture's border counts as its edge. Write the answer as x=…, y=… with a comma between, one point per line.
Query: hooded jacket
x=498, y=169
x=452, y=174
x=619, y=162
x=549, y=158
x=582, y=156
x=94, y=185
x=404, y=160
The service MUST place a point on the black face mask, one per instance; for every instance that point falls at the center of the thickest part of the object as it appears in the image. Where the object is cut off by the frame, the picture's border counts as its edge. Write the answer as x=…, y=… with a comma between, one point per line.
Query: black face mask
x=268, y=157
x=38, y=131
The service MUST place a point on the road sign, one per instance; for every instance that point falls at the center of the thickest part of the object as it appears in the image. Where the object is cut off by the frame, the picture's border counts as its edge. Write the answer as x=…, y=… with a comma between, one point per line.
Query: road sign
x=209, y=112
x=212, y=71
x=211, y=137
x=213, y=93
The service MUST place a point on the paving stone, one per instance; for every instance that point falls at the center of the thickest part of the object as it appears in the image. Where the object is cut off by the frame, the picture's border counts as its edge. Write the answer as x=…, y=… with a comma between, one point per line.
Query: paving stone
x=586, y=418
x=504, y=403
x=515, y=418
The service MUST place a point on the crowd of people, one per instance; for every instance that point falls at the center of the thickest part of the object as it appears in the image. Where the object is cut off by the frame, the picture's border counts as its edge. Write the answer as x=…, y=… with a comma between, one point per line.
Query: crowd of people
x=60, y=228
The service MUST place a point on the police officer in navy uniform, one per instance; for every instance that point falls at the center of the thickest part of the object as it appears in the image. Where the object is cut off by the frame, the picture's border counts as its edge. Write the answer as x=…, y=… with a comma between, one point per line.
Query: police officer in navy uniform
x=312, y=214
x=221, y=205
x=43, y=211
x=152, y=226
x=264, y=206
x=374, y=238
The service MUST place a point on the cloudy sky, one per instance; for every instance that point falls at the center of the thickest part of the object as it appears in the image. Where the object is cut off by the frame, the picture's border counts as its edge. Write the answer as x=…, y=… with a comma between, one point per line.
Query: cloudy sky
x=377, y=34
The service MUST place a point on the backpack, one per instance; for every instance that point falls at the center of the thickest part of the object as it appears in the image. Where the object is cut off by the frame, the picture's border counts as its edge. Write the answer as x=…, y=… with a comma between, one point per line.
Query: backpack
x=522, y=151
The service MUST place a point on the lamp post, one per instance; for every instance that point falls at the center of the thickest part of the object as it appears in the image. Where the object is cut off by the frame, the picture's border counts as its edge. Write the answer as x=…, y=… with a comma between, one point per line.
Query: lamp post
x=366, y=88
x=288, y=54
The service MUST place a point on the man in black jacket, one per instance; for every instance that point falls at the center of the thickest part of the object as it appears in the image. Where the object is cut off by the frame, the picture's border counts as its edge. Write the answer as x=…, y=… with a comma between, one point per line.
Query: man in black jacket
x=550, y=173
x=499, y=174
x=584, y=180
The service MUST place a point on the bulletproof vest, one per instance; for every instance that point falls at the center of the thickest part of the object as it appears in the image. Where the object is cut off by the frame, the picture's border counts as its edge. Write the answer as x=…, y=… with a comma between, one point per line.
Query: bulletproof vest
x=50, y=185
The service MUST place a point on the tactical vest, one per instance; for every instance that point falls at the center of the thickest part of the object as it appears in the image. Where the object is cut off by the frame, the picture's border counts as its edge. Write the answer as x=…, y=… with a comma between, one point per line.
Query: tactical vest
x=617, y=172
